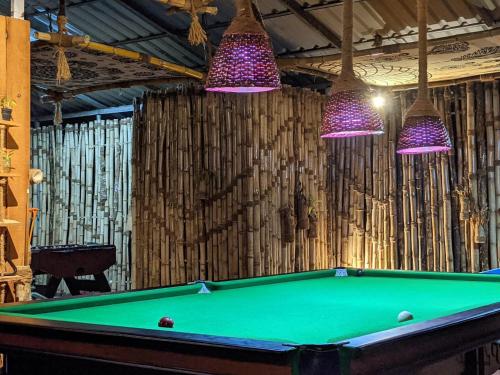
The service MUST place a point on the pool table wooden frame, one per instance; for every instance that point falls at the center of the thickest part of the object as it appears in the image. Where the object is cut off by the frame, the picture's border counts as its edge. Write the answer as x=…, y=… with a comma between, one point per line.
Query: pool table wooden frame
x=78, y=348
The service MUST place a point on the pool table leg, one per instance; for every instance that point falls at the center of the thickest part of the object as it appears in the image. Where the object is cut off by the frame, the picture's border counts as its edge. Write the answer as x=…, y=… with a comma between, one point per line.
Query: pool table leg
x=474, y=362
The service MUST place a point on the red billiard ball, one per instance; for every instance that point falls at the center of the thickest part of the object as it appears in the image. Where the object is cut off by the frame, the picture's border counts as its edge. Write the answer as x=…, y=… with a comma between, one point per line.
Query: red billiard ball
x=166, y=322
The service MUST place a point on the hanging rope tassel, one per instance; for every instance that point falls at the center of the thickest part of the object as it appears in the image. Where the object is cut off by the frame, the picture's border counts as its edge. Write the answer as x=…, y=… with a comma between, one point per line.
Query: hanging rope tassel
x=63, y=70
x=58, y=119
x=196, y=35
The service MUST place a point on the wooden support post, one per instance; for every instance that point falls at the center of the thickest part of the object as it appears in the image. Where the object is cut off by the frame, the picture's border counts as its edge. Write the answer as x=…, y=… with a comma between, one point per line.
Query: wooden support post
x=17, y=8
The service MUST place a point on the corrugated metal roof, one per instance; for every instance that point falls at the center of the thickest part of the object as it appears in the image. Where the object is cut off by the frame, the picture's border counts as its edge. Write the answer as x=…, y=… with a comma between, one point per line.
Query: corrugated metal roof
x=144, y=26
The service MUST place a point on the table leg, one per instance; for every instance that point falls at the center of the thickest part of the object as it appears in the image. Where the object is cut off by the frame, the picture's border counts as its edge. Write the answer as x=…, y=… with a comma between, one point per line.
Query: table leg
x=102, y=282
x=51, y=288
x=72, y=285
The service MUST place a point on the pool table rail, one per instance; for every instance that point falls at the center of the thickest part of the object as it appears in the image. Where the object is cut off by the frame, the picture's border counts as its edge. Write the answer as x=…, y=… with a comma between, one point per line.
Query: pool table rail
x=190, y=353
x=401, y=350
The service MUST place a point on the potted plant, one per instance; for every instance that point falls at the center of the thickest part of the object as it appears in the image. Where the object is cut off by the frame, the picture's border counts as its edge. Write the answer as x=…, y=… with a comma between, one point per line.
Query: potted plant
x=7, y=105
x=6, y=160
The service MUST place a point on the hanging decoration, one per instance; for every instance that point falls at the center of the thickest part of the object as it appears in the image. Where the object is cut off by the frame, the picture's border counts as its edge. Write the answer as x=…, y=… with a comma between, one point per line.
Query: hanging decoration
x=63, y=70
x=244, y=61
x=349, y=111
x=423, y=129
x=196, y=34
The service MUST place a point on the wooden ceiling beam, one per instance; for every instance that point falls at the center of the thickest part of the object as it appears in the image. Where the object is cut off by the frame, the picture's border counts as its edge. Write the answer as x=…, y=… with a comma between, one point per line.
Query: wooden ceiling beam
x=296, y=8
x=284, y=63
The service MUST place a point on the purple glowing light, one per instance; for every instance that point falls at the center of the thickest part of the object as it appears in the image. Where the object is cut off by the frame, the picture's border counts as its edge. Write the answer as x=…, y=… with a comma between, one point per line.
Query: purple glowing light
x=244, y=63
x=350, y=113
x=423, y=134
x=241, y=90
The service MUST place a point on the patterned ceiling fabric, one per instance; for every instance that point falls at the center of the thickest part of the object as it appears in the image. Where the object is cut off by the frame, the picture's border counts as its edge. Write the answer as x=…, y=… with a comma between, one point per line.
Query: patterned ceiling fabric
x=89, y=68
x=448, y=61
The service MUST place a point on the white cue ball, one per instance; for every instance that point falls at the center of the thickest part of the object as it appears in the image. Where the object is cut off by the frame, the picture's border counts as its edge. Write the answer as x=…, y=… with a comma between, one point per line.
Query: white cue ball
x=403, y=316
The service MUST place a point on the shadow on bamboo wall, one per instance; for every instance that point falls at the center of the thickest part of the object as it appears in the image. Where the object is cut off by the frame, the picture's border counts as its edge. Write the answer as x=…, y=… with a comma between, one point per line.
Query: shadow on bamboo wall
x=436, y=212
x=228, y=186
x=85, y=195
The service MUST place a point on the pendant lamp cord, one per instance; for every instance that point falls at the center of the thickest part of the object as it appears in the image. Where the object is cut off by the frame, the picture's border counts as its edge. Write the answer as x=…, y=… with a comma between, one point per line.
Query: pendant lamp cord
x=347, y=68
x=423, y=91
x=244, y=8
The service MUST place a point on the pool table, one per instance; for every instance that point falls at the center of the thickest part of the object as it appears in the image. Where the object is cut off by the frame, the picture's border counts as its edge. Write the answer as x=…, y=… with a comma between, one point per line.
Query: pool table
x=318, y=322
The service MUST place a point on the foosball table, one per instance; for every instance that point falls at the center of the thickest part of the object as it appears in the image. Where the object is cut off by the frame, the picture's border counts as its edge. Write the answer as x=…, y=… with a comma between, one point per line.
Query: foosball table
x=67, y=262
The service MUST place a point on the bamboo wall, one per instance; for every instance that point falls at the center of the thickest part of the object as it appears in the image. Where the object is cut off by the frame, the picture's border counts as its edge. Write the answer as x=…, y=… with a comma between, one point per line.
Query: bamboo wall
x=219, y=181
x=436, y=212
x=85, y=196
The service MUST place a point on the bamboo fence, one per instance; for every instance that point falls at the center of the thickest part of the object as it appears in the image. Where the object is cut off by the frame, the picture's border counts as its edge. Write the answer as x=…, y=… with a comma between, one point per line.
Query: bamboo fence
x=228, y=186
x=85, y=196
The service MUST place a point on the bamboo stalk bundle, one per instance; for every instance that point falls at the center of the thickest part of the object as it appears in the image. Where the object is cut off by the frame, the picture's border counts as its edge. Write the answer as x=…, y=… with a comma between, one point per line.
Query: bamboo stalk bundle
x=447, y=255
x=472, y=171
x=464, y=192
x=406, y=218
x=340, y=197
x=376, y=202
x=490, y=138
x=496, y=126
x=482, y=235
x=393, y=189
x=387, y=194
x=455, y=173
x=368, y=243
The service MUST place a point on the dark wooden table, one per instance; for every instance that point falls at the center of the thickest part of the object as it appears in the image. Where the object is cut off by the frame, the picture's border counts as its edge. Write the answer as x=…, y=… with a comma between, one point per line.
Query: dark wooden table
x=66, y=262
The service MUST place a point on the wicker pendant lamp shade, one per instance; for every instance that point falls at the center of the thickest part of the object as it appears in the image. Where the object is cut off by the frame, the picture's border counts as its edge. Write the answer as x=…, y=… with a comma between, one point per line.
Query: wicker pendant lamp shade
x=349, y=111
x=244, y=61
x=423, y=130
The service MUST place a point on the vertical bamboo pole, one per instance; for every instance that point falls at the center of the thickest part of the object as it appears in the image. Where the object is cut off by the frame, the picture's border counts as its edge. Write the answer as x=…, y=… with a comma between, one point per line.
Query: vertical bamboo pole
x=490, y=138
x=496, y=125
x=472, y=170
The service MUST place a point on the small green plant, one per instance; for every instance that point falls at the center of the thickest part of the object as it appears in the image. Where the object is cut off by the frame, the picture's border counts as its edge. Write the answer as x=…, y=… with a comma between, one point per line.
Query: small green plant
x=6, y=158
x=7, y=103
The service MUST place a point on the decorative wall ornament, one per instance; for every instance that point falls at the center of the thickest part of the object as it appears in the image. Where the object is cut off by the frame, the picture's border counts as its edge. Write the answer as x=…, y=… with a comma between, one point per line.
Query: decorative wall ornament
x=451, y=47
x=479, y=54
x=91, y=68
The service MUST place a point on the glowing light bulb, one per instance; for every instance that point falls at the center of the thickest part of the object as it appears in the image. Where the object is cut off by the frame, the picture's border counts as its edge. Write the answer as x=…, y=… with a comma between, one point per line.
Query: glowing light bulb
x=378, y=101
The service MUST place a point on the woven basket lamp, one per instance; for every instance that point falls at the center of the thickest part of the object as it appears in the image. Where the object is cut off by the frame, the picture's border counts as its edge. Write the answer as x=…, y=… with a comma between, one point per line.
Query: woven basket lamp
x=423, y=130
x=349, y=111
x=244, y=61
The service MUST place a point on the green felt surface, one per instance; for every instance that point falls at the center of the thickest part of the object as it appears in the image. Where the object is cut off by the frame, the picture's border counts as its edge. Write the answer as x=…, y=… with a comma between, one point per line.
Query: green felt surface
x=309, y=308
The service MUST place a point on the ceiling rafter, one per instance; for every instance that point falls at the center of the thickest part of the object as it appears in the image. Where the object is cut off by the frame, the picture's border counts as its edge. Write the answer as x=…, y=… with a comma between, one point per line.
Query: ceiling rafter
x=51, y=10
x=296, y=8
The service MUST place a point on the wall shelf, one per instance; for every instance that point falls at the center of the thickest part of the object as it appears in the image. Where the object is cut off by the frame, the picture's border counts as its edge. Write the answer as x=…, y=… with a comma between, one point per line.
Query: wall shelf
x=8, y=175
x=8, y=223
x=11, y=124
